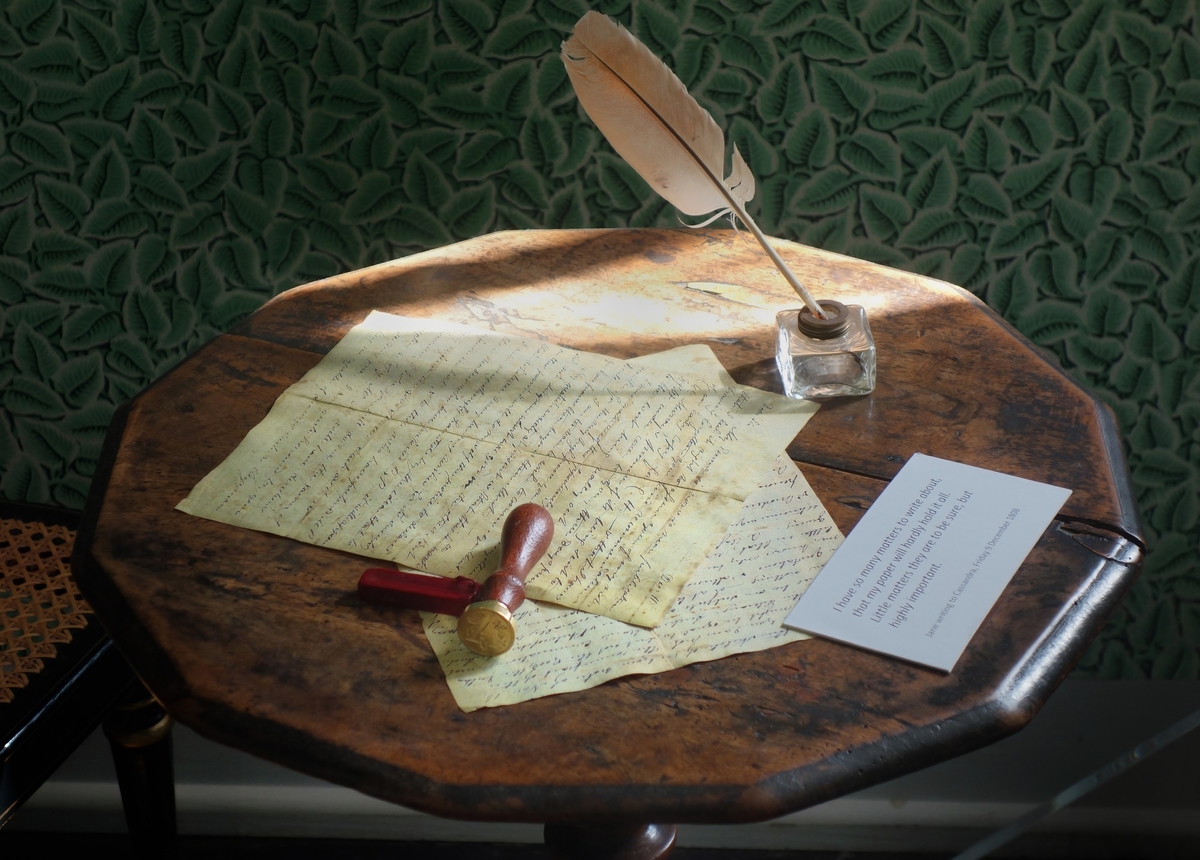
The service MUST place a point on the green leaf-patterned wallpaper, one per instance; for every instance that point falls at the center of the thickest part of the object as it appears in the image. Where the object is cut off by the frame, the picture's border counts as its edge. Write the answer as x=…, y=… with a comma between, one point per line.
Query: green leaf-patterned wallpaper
x=167, y=165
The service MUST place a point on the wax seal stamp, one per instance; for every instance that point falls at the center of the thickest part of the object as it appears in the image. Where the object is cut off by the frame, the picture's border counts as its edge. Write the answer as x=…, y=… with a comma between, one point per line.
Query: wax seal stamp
x=486, y=625
x=485, y=622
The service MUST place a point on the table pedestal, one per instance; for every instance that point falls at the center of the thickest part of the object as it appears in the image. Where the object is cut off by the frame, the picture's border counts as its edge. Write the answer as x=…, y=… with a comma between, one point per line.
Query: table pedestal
x=610, y=841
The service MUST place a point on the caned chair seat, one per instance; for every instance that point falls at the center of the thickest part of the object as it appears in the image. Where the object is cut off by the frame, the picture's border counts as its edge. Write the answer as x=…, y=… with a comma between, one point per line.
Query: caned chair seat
x=61, y=675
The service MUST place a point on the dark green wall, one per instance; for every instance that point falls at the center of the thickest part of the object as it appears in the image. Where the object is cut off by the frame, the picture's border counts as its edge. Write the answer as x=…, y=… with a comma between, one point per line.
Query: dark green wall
x=166, y=165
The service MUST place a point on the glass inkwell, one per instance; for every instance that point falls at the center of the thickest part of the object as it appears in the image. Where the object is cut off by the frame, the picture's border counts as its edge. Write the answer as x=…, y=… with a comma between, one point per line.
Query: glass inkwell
x=831, y=357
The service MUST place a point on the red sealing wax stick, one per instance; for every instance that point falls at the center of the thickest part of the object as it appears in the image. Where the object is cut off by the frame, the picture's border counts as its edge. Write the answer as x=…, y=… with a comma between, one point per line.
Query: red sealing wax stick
x=485, y=622
x=406, y=590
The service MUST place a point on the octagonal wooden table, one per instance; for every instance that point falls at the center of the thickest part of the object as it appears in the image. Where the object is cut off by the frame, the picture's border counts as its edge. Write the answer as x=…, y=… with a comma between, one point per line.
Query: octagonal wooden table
x=258, y=642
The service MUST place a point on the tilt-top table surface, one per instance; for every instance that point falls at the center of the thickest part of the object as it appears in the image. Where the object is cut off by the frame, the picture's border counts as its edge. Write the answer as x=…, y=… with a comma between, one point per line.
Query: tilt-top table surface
x=258, y=641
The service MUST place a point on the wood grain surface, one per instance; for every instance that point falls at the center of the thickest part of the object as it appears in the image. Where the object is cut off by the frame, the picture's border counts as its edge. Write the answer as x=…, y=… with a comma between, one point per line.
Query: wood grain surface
x=259, y=642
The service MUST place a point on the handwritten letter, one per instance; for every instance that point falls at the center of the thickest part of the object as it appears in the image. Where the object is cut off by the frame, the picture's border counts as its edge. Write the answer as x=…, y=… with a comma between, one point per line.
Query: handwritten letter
x=412, y=440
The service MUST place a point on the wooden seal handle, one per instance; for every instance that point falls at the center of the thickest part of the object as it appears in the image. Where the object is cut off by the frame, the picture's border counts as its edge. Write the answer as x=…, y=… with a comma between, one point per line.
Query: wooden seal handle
x=525, y=538
x=486, y=625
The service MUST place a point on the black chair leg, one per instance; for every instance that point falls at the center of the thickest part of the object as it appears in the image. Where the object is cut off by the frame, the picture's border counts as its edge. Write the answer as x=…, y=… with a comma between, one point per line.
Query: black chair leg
x=139, y=732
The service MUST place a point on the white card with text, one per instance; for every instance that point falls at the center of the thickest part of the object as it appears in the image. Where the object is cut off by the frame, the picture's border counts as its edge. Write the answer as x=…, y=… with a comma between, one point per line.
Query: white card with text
x=923, y=567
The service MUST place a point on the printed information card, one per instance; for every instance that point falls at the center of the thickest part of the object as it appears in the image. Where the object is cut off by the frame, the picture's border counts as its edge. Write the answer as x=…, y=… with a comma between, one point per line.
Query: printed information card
x=923, y=567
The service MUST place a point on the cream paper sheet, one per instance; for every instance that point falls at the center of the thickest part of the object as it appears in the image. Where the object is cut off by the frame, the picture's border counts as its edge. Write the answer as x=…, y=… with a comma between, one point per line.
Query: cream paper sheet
x=413, y=439
x=735, y=603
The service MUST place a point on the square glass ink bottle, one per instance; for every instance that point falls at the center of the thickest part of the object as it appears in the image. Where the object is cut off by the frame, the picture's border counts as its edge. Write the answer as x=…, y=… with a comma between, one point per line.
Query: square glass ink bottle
x=831, y=357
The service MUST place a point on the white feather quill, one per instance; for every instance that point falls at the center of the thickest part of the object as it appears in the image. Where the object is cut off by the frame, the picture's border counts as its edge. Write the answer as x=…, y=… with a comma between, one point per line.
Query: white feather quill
x=656, y=125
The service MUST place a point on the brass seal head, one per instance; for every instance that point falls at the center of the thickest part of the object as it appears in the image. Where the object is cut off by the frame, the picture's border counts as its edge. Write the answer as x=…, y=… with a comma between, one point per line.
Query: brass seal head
x=487, y=628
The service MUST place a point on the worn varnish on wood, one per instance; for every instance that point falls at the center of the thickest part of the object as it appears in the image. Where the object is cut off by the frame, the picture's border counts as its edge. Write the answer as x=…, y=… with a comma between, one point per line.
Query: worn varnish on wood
x=259, y=642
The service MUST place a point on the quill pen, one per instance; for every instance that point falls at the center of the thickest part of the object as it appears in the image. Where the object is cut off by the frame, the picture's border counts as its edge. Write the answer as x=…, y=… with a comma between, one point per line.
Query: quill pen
x=655, y=124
